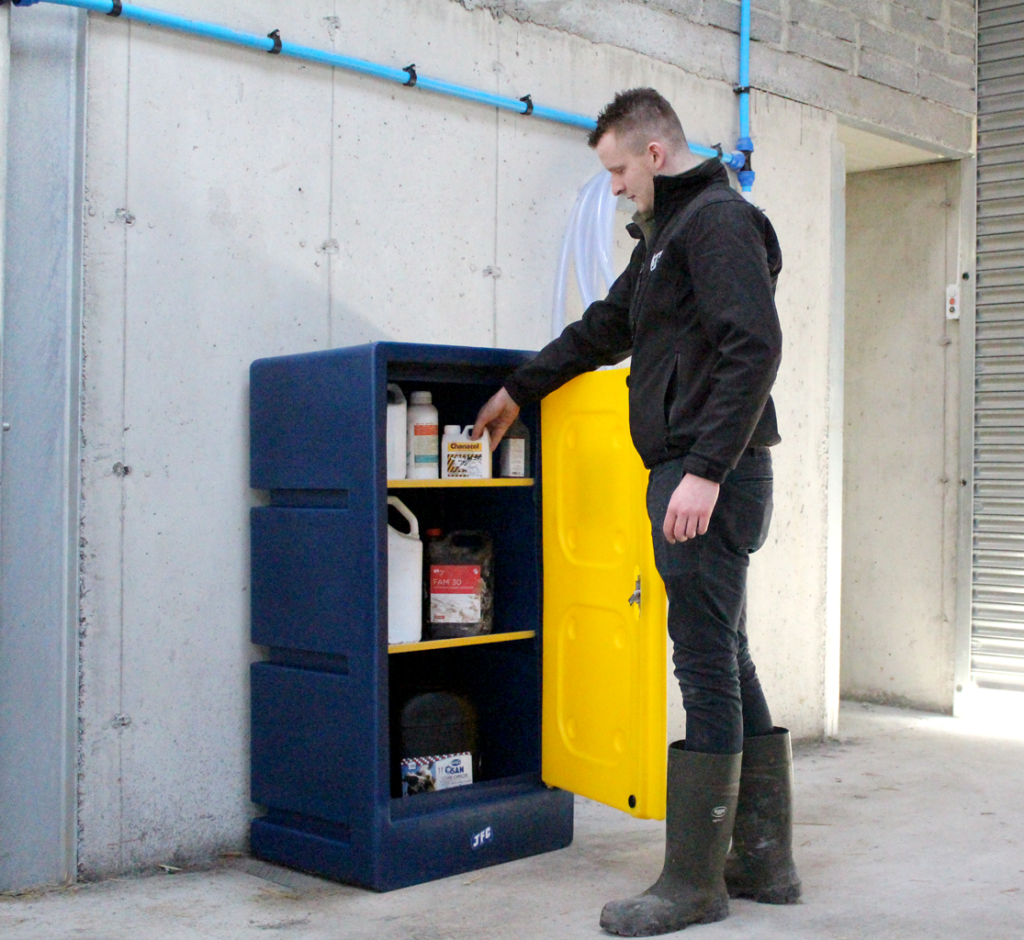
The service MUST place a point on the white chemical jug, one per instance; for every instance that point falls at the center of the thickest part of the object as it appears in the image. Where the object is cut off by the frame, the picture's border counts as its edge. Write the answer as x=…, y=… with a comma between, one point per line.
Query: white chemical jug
x=396, y=433
x=462, y=458
x=405, y=579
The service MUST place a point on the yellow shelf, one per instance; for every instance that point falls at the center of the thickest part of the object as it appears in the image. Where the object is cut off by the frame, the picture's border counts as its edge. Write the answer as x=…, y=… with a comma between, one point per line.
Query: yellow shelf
x=462, y=641
x=427, y=484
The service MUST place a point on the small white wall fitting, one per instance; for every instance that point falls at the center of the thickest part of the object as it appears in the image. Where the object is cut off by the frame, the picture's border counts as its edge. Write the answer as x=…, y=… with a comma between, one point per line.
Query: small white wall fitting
x=953, y=302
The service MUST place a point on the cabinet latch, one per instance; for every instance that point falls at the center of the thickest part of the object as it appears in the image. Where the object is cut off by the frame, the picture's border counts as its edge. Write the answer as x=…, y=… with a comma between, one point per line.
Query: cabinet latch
x=634, y=598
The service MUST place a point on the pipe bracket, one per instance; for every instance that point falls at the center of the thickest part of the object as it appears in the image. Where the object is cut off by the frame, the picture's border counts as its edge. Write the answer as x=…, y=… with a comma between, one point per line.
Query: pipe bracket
x=411, y=69
x=741, y=90
x=528, y=101
x=276, y=36
x=115, y=9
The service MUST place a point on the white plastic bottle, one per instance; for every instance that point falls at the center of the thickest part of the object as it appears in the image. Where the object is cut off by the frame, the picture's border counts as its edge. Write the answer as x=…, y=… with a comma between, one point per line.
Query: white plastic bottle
x=422, y=438
x=462, y=458
x=405, y=579
x=514, y=451
x=396, y=433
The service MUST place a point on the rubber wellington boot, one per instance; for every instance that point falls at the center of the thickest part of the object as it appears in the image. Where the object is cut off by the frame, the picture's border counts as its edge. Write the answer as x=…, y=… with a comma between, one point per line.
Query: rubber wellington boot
x=702, y=794
x=760, y=865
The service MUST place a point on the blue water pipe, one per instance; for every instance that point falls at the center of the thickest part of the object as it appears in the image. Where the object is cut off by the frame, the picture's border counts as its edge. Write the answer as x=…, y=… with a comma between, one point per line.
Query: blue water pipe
x=273, y=43
x=745, y=172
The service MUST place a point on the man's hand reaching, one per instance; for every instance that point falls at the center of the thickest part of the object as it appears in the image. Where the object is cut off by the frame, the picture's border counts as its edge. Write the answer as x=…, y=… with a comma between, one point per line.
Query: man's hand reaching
x=497, y=416
x=689, y=509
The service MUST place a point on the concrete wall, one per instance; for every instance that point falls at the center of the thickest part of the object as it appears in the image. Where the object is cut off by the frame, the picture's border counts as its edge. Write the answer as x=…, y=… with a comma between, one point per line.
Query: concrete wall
x=901, y=437
x=40, y=473
x=905, y=69
x=240, y=206
x=925, y=47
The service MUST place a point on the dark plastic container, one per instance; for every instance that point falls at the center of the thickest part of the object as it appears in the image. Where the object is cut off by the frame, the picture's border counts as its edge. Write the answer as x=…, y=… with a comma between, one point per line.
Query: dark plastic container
x=461, y=568
x=433, y=724
x=437, y=723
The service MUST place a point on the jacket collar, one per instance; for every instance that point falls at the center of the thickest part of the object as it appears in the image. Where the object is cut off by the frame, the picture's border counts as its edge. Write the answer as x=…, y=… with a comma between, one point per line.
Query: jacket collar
x=672, y=193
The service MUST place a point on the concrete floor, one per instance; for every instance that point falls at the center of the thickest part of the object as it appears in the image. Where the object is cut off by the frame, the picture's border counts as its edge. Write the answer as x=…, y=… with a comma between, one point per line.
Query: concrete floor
x=908, y=826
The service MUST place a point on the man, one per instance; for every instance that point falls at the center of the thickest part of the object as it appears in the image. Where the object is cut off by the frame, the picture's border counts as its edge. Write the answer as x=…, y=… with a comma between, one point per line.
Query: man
x=695, y=309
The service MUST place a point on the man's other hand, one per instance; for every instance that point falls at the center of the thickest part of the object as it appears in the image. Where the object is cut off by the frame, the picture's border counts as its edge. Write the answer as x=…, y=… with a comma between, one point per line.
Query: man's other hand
x=689, y=509
x=497, y=416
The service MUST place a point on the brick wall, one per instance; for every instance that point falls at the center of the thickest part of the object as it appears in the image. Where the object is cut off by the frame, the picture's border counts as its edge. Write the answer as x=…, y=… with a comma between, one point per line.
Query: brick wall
x=924, y=47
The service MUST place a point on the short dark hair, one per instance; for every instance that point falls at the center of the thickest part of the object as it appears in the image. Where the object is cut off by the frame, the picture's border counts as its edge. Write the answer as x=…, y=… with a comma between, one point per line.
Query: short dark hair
x=639, y=112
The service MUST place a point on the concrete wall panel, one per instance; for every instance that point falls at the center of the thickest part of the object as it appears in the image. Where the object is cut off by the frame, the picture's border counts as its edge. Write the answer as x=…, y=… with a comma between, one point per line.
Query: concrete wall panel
x=101, y=546
x=899, y=514
x=788, y=576
x=532, y=208
x=875, y=64
x=39, y=498
x=413, y=207
x=217, y=275
x=201, y=193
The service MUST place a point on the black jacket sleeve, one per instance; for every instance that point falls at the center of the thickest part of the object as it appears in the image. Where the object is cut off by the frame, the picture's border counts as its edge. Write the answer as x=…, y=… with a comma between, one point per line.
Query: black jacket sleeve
x=602, y=337
x=733, y=283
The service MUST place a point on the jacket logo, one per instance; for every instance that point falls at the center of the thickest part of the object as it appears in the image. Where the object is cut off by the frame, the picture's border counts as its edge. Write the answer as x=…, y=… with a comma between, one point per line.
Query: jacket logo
x=654, y=260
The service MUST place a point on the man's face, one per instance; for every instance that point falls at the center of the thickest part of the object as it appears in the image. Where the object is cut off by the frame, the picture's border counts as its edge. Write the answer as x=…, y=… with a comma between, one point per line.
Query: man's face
x=632, y=173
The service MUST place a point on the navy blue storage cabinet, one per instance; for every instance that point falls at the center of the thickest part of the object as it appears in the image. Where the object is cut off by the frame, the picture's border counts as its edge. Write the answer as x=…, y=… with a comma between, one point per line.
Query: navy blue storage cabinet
x=325, y=700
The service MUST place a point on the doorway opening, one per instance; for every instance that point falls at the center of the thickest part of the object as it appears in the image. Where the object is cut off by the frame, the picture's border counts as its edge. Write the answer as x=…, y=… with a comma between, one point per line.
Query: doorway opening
x=901, y=447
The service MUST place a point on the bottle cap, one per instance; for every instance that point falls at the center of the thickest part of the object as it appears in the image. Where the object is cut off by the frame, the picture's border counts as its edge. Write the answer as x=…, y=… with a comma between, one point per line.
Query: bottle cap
x=421, y=398
x=452, y=429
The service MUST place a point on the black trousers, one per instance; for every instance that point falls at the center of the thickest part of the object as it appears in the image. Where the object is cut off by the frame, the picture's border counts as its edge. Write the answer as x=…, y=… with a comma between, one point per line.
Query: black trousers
x=706, y=581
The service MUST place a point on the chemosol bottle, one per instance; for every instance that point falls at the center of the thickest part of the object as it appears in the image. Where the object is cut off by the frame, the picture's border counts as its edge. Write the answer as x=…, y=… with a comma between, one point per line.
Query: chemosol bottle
x=421, y=440
x=462, y=458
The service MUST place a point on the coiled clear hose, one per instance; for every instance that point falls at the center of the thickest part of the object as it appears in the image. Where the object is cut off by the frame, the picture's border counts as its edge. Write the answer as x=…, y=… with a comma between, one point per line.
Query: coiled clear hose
x=588, y=242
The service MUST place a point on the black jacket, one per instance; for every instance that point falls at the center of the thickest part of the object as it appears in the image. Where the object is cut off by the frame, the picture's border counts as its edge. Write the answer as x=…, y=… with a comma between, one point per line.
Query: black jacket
x=696, y=310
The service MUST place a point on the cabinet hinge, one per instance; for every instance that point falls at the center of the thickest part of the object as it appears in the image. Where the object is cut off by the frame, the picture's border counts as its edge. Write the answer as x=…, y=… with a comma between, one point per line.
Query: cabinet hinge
x=634, y=598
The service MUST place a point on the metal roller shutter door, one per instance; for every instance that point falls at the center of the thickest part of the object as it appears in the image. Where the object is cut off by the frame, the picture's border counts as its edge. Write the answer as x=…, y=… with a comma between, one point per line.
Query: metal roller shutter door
x=997, y=619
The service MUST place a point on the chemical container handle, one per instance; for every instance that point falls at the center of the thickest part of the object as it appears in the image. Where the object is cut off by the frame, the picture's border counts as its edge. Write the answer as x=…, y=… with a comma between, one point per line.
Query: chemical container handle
x=414, y=526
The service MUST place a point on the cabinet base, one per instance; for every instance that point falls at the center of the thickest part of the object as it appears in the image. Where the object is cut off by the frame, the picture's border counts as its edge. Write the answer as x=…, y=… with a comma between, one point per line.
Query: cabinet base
x=425, y=847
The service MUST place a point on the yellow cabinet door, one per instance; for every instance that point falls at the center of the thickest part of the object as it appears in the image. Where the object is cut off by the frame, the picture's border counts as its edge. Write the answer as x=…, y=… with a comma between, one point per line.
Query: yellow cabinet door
x=603, y=724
